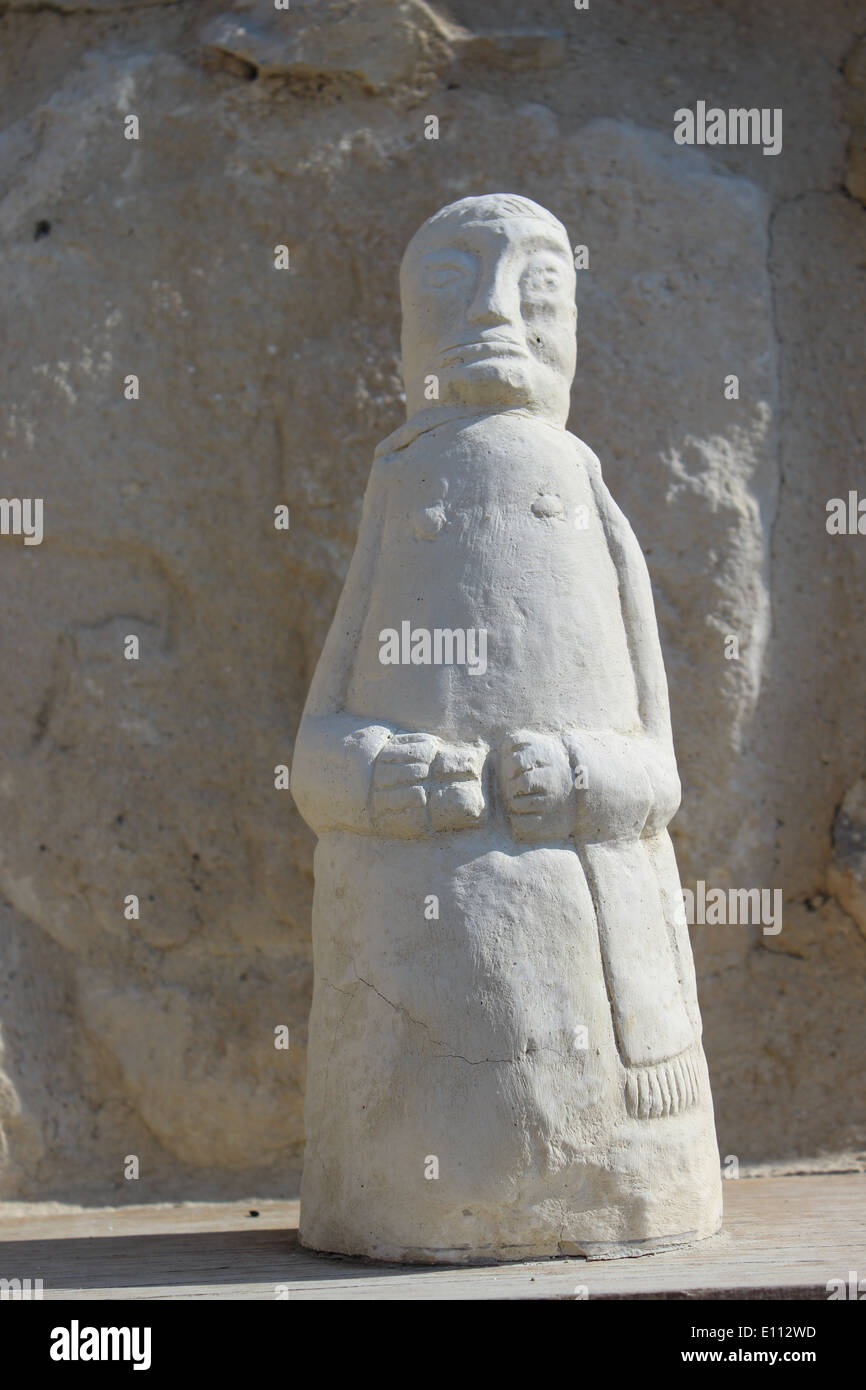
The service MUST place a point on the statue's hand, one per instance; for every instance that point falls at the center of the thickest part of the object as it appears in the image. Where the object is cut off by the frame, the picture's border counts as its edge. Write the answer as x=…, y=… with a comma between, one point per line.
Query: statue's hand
x=422, y=784
x=537, y=786
x=614, y=789
x=398, y=798
x=456, y=796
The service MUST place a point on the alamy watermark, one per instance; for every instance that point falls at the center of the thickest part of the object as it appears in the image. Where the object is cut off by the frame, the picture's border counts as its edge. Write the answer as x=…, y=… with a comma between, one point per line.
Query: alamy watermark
x=853, y=1288
x=733, y=907
x=20, y=1290
x=77, y=1343
x=22, y=516
x=846, y=516
x=736, y=126
x=444, y=646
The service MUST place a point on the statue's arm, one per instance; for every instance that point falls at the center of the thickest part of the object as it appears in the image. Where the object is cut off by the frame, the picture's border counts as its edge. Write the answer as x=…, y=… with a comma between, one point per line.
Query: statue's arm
x=639, y=767
x=366, y=775
x=334, y=750
x=596, y=784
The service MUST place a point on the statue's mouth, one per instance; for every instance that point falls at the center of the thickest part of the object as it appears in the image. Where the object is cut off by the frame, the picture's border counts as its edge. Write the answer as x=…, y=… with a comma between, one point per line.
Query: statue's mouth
x=482, y=347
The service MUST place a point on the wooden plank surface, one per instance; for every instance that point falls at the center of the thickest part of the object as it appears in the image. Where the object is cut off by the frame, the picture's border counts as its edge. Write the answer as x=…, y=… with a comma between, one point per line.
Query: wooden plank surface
x=783, y=1237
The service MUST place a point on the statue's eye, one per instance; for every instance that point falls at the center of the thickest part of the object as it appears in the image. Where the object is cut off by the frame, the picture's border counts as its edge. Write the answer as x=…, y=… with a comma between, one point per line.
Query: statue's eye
x=445, y=273
x=541, y=279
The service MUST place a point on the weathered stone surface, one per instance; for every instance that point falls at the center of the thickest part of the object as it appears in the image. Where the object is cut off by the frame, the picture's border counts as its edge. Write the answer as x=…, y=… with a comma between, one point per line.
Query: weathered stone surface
x=261, y=387
x=854, y=111
x=492, y=817
x=80, y=7
x=390, y=44
x=846, y=873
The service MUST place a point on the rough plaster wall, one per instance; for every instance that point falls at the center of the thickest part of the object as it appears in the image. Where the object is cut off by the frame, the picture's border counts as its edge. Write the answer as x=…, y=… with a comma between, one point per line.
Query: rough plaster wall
x=258, y=387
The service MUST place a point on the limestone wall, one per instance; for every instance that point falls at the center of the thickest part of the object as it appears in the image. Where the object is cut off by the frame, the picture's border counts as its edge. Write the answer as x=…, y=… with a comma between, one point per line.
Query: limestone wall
x=260, y=387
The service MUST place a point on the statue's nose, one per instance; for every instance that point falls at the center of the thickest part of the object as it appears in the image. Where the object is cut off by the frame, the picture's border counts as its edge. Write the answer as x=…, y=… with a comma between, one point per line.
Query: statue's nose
x=495, y=300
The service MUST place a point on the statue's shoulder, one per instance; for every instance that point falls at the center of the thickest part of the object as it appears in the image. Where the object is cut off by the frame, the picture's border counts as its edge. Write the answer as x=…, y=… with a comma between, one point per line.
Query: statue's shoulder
x=617, y=525
x=583, y=451
x=393, y=443
x=384, y=463
x=388, y=458
x=592, y=465
x=400, y=441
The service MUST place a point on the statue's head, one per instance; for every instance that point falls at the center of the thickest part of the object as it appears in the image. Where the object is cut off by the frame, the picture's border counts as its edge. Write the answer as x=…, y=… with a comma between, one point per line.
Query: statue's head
x=487, y=288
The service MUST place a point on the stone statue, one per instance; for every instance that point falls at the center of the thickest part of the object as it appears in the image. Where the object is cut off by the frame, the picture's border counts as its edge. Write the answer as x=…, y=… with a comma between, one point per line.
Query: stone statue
x=505, y=1055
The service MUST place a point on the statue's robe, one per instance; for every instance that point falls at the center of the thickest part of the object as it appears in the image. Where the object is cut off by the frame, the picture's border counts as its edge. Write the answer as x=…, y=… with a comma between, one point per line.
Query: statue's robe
x=538, y=1044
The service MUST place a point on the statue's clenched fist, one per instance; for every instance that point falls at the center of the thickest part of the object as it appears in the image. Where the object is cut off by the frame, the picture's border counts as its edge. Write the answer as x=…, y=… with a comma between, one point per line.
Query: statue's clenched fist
x=537, y=786
x=421, y=784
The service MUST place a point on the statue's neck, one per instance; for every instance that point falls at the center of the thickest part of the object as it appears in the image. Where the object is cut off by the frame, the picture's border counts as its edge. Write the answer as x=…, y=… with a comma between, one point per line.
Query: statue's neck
x=442, y=414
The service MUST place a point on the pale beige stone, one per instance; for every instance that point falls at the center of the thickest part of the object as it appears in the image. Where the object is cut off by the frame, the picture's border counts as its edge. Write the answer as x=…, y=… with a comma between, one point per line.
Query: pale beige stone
x=261, y=387
x=391, y=43
x=516, y=1072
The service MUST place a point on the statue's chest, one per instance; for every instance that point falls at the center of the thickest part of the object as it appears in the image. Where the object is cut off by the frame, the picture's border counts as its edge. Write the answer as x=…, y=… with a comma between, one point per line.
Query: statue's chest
x=523, y=516
x=494, y=535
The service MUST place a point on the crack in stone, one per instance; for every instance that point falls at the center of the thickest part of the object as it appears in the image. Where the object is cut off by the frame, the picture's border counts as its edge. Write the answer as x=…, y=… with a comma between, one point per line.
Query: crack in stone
x=456, y=1056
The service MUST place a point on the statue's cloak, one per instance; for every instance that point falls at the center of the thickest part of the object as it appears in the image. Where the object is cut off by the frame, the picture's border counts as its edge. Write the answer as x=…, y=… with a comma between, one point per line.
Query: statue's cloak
x=547, y=990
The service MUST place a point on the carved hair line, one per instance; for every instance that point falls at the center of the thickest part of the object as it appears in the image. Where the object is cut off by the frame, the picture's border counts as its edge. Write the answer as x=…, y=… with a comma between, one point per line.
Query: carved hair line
x=491, y=207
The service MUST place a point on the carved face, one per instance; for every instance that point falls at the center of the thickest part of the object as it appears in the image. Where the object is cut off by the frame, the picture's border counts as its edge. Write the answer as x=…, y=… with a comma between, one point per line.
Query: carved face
x=488, y=310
